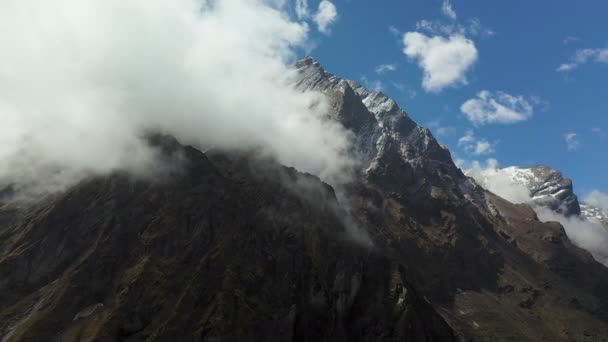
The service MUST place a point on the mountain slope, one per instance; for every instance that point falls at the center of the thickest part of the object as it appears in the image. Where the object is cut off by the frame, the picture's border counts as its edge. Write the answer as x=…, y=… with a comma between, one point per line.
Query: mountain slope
x=232, y=246
x=481, y=264
x=228, y=249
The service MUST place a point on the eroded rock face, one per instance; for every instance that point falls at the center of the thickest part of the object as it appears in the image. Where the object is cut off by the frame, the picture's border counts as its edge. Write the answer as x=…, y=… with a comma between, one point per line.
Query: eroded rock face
x=229, y=249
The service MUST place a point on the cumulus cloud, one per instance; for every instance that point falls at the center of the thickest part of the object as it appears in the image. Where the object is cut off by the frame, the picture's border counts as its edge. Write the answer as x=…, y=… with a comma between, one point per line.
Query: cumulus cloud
x=472, y=145
x=82, y=81
x=572, y=141
x=326, y=15
x=448, y=10
x=588, y=234
x=444, y=60
x=584, y=56
x=384, y=68
x=498, y=107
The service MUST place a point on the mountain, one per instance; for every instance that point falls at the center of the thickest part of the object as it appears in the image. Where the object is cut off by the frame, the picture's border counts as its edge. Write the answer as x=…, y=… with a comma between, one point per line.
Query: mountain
x=234, y=246
x=547, y=187
x=591, y=213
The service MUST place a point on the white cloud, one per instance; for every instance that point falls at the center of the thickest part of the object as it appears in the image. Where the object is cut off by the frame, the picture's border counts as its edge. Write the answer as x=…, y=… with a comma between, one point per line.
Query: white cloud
x=475, y=146
x=80, y=86
x=483, y=147
x=394, y=31
x=597, y=199
x=572, y=141
x=566, y=67
x=302, y=9
x=325, y=16
x=491, y=177
x=473, y=28
x=476, y=29
x=498, y=107
x=372, y=85
x=439, y=129
x=590, y=235
x=584, y=56
x=383, y=68
x=448, y=10
x=444, y=61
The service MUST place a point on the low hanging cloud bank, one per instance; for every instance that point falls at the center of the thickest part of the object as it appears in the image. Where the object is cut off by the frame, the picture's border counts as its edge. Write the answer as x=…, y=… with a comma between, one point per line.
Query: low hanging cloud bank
x=82, y=81
x=588, y=234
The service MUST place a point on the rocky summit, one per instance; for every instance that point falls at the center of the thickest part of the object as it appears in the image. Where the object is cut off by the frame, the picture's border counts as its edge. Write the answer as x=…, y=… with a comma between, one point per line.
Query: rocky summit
x=548, y=188
x=233, y=246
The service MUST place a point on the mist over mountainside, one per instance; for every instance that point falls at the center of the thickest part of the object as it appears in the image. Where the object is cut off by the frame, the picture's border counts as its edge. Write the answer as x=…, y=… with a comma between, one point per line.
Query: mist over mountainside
x=552, y=197
x=230, y=245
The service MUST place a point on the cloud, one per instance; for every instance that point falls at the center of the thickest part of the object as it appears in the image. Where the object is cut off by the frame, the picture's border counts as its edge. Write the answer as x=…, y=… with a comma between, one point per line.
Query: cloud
x=590, y=235
x=572, y=141
x=444, y=61
x=84, y=80
x=566, y=67
x=439, y=129
x=597, y=199
x=383, y=68
x=326, y=15
x=584, y=56
x=472, y=28
x=394, y=31
x=498, y=107
x=571, y=39
x=492, y=178
x=476, y=29
x=302, y=9
x=448, y=10
x=472, y=145
x=372, y=85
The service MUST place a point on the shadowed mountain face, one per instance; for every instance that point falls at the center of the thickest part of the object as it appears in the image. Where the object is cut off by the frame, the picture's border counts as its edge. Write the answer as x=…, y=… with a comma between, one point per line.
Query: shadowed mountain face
x=228, y=249
x=234, y=247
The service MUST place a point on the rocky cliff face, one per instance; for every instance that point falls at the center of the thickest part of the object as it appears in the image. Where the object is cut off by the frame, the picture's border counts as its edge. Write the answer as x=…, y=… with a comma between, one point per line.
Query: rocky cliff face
x=228, y=249
x=234, y=247
x=397, y=154
x=548, y=188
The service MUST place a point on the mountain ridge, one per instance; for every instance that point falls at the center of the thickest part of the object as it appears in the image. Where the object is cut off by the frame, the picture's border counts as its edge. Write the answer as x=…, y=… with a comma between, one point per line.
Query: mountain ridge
x=238, y=247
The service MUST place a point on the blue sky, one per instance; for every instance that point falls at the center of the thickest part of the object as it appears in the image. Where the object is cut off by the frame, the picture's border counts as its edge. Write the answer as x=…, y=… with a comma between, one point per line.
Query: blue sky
x=511, y=50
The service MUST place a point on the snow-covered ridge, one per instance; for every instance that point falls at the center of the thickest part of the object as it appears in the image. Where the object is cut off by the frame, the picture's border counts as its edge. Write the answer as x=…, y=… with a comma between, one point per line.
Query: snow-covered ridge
x=392, y=148
x=591, y=213
x=547, y=187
